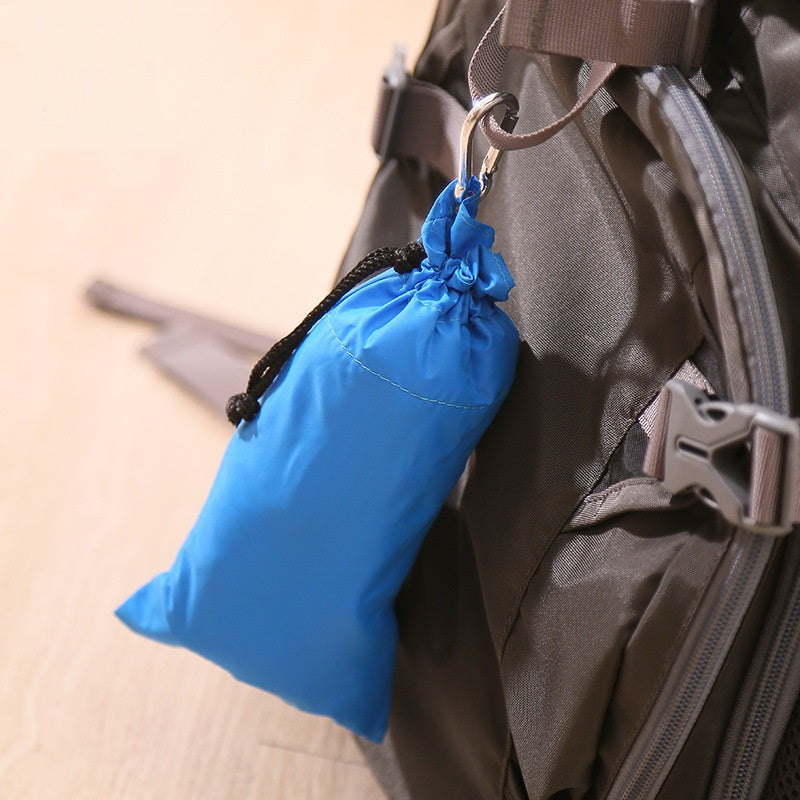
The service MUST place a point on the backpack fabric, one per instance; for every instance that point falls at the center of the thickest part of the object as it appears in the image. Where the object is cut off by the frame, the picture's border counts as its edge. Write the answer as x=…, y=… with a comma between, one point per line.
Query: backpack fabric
x=563, y=598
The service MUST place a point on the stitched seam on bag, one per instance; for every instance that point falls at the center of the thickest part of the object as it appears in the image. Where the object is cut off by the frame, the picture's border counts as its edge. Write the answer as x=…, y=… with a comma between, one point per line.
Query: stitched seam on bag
x=601, y=497
x=513, y=616
x=397, y=385
x=593, y=504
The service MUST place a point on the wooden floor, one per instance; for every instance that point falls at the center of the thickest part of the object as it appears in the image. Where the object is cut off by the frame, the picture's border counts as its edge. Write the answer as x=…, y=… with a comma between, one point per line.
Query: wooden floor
x=210, y=154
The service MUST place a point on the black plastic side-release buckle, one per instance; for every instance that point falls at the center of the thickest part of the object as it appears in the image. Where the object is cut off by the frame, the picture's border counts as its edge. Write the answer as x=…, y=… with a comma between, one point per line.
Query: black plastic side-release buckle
x=741, y=459
x=393, y=86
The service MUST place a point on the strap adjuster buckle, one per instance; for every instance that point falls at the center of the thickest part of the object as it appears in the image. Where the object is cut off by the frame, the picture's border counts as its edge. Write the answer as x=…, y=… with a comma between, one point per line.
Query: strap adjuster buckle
x=692, y=34
x=393, y=85
x=741, y=459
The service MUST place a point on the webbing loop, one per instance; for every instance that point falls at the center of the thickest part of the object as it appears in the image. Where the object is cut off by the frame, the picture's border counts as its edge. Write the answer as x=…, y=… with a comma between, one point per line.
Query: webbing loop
x=635, y=33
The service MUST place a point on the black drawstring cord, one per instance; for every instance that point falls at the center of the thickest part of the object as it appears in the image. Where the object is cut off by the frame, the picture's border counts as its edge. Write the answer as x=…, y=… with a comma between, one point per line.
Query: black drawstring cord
x=245, y=406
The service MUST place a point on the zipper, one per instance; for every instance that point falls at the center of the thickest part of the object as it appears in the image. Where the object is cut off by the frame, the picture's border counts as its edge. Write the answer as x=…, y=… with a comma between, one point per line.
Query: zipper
x=770, y=382
x=742, y=770
x=709, y=639
x=669, y=724
x=743, y=760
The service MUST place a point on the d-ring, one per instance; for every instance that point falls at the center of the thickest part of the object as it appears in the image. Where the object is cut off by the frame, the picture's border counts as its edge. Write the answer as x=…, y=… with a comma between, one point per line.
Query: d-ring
x=490, y=163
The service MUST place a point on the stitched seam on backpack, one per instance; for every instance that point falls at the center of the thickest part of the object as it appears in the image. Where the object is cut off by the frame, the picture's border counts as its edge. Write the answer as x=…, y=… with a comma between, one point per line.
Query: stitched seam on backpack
x=397, y=385
x=601, y=497
x=513, y=616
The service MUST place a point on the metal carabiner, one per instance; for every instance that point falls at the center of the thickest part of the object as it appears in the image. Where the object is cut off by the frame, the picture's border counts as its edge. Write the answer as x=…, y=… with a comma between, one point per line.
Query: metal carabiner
x=490, y=163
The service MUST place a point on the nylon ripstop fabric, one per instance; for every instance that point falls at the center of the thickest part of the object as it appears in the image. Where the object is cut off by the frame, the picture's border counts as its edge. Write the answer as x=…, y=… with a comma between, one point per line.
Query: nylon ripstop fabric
x=289, y=576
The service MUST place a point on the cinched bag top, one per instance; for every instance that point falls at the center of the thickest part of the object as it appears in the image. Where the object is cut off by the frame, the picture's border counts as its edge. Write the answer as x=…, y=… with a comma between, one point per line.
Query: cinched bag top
x=460, y=247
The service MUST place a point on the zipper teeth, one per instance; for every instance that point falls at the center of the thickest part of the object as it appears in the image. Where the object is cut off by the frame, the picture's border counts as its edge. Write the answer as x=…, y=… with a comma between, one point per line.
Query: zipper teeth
x=648, y=775
x=643, y=777
x=772, y=385
x=764, y=705
x=770, y=388
x=773, y=381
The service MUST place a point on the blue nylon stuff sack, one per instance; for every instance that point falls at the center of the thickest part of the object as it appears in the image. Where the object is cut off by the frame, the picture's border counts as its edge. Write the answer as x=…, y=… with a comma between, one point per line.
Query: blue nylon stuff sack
x=289, y=576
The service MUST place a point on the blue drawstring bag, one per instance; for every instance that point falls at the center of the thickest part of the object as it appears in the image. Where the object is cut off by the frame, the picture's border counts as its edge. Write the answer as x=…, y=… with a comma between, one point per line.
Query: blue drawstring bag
x=289, y=576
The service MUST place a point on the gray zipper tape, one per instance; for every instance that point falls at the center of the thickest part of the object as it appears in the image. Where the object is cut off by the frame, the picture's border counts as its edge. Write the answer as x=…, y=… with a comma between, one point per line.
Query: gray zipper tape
x=732, y=220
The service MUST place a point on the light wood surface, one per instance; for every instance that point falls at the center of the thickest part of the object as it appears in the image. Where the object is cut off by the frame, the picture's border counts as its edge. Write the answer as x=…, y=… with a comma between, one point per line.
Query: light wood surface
x=213, y=154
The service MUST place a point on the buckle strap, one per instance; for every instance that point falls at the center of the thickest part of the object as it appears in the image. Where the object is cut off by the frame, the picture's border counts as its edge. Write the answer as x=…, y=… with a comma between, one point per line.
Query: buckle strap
x=419, y=120
x=486, y=74
x=741, y=459
x=423, y=121
x=636, y=33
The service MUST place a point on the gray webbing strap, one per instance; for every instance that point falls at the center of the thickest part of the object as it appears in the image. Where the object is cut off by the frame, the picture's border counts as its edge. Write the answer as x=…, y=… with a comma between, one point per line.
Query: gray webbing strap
x=767, y=469
x=636, y=33
x=423, y=121
x=418, y=120
x=605, y=33
x=656, y=448
x=209, y=357
x=202, y=362
x=121, y=301
x=485, y=75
